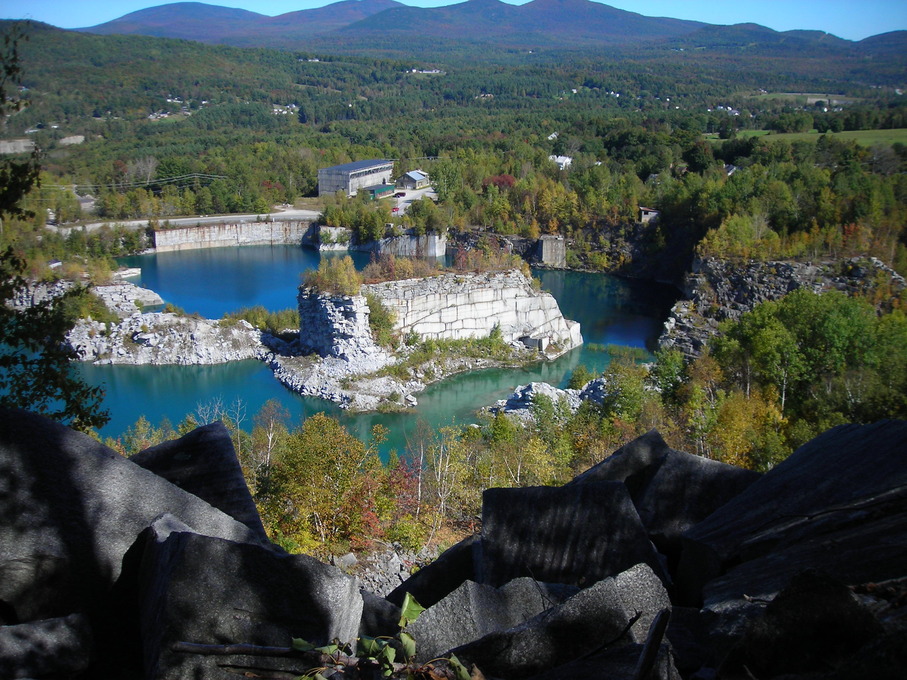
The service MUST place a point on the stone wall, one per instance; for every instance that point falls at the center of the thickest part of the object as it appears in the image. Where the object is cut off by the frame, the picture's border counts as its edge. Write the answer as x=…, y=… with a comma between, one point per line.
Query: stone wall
x=225, y=235
x=460, y=306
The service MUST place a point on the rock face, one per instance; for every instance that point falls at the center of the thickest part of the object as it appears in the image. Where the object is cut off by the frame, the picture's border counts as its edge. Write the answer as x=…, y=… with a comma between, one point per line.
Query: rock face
x=461, y=306
x=838, y=503
x=716, y=290
x=671, y=490
x=336, y=326
x=730, y=541
x=408, y=245
x=164, y=338
x=575, y=535
x=198, y=588
x=227, y=235
x=204, y=463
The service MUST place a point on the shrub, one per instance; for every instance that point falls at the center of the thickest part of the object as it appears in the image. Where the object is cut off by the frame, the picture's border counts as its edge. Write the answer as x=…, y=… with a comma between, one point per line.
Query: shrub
x=335, y=275
x=381, y=321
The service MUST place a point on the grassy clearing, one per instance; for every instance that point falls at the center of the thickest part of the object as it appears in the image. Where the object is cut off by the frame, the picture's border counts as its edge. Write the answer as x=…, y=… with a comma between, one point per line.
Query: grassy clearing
x=806, y=98
x=863, y=137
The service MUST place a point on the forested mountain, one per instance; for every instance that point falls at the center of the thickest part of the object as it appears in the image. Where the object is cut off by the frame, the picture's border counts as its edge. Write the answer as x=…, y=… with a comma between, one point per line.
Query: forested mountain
x=537, y=22
x=214, y=24
x=563, y=23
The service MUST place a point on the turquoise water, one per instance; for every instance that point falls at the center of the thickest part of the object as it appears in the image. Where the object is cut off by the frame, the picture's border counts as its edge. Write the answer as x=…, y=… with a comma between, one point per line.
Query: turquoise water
x=215, y=281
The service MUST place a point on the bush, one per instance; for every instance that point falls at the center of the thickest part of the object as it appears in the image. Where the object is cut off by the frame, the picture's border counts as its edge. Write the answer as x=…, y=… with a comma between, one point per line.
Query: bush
x=381, y=320
x=335, y=276
x=272, y=322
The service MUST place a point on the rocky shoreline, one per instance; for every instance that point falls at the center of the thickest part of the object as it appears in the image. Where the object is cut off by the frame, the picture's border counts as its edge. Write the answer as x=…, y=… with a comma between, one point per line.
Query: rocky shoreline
x=336, y=359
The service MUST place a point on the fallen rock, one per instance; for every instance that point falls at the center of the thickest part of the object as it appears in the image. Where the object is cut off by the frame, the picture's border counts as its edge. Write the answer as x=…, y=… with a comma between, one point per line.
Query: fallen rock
x=596, y=618
x=70, y=508
x=439, y=578
x=576, y=534
x=204, y=463
x=474, y=610
x=379, y=617
x=838, y=503
x=59, y=647
x=671, y=490
x=205, y=590
x=813, y=625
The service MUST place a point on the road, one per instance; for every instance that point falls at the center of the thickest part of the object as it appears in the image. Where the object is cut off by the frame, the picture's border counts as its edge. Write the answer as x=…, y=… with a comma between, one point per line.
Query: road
x=281, y=216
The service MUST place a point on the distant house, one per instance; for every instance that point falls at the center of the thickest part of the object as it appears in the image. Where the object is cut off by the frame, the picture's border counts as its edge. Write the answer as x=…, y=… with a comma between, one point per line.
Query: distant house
x=351, y=177
x=730, y=169
x=647, y=215
x=563, y=162
x=414, y=179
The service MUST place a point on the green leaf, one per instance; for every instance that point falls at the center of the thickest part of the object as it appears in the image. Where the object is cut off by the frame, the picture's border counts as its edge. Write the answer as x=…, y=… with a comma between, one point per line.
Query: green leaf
x=460, y=672
x=301, y=645
x=410, y=611
x=408, y=643
x=328, y=649
x=370, y=647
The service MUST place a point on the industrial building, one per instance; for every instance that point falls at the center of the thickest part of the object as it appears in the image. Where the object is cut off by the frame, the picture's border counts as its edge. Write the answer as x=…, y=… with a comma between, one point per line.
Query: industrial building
x=351, y=177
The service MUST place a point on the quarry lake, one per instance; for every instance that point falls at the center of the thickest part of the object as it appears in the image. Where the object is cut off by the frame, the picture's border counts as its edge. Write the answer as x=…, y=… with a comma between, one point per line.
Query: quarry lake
x=212, y=282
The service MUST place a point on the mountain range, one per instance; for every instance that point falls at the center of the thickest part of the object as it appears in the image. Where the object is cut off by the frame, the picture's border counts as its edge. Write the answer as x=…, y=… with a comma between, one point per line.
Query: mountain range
x=551, y=23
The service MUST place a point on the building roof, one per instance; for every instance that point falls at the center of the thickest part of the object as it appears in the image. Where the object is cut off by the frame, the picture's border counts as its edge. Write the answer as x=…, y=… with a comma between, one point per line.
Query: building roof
x=359, y=165
x=416, y=175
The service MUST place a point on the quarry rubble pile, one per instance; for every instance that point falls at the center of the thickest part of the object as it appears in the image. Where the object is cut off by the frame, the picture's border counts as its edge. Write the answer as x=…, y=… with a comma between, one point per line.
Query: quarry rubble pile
x=653, y=563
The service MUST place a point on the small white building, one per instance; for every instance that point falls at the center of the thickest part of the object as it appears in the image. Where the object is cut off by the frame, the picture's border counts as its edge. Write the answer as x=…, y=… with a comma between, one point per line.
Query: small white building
x=563, y=162
x=414, y=179
x=647, y=215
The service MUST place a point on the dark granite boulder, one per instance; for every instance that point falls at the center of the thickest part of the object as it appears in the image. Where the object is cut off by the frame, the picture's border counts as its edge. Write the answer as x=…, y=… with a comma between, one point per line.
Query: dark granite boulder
x=435, y=581
x=379, y=617
x=671, y=490
x=204, y=590
x=576, y=534
x=838, y=503
x=474, y=610
x=594, y=619
x=70, y=508
x=814, y=624
x=52, y=648
x=204, y=463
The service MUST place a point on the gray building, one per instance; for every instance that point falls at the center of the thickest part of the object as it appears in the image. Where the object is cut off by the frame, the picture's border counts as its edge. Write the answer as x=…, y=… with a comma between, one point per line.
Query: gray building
x=350, y=177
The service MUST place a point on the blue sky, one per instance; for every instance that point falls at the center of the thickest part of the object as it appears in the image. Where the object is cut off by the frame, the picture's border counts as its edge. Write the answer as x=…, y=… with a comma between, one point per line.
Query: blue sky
x=849, y=19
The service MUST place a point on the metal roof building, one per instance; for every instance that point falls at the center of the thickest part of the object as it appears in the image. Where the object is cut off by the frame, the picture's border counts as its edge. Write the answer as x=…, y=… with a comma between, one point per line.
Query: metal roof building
x=350, y=177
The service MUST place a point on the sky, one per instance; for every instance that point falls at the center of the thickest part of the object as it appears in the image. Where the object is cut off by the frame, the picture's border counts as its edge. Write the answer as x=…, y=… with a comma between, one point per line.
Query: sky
x=850, y=19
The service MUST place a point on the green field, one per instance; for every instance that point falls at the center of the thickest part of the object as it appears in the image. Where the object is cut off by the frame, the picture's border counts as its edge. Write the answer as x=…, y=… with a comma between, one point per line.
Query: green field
x=805, y=98
x=864, y=137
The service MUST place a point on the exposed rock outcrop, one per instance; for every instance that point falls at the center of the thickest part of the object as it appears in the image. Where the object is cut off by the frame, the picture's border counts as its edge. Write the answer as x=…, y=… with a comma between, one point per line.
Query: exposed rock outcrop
x=451, y=306
x=123, y=298
x=460, y=306
x=165, y=338
x=716, y=290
